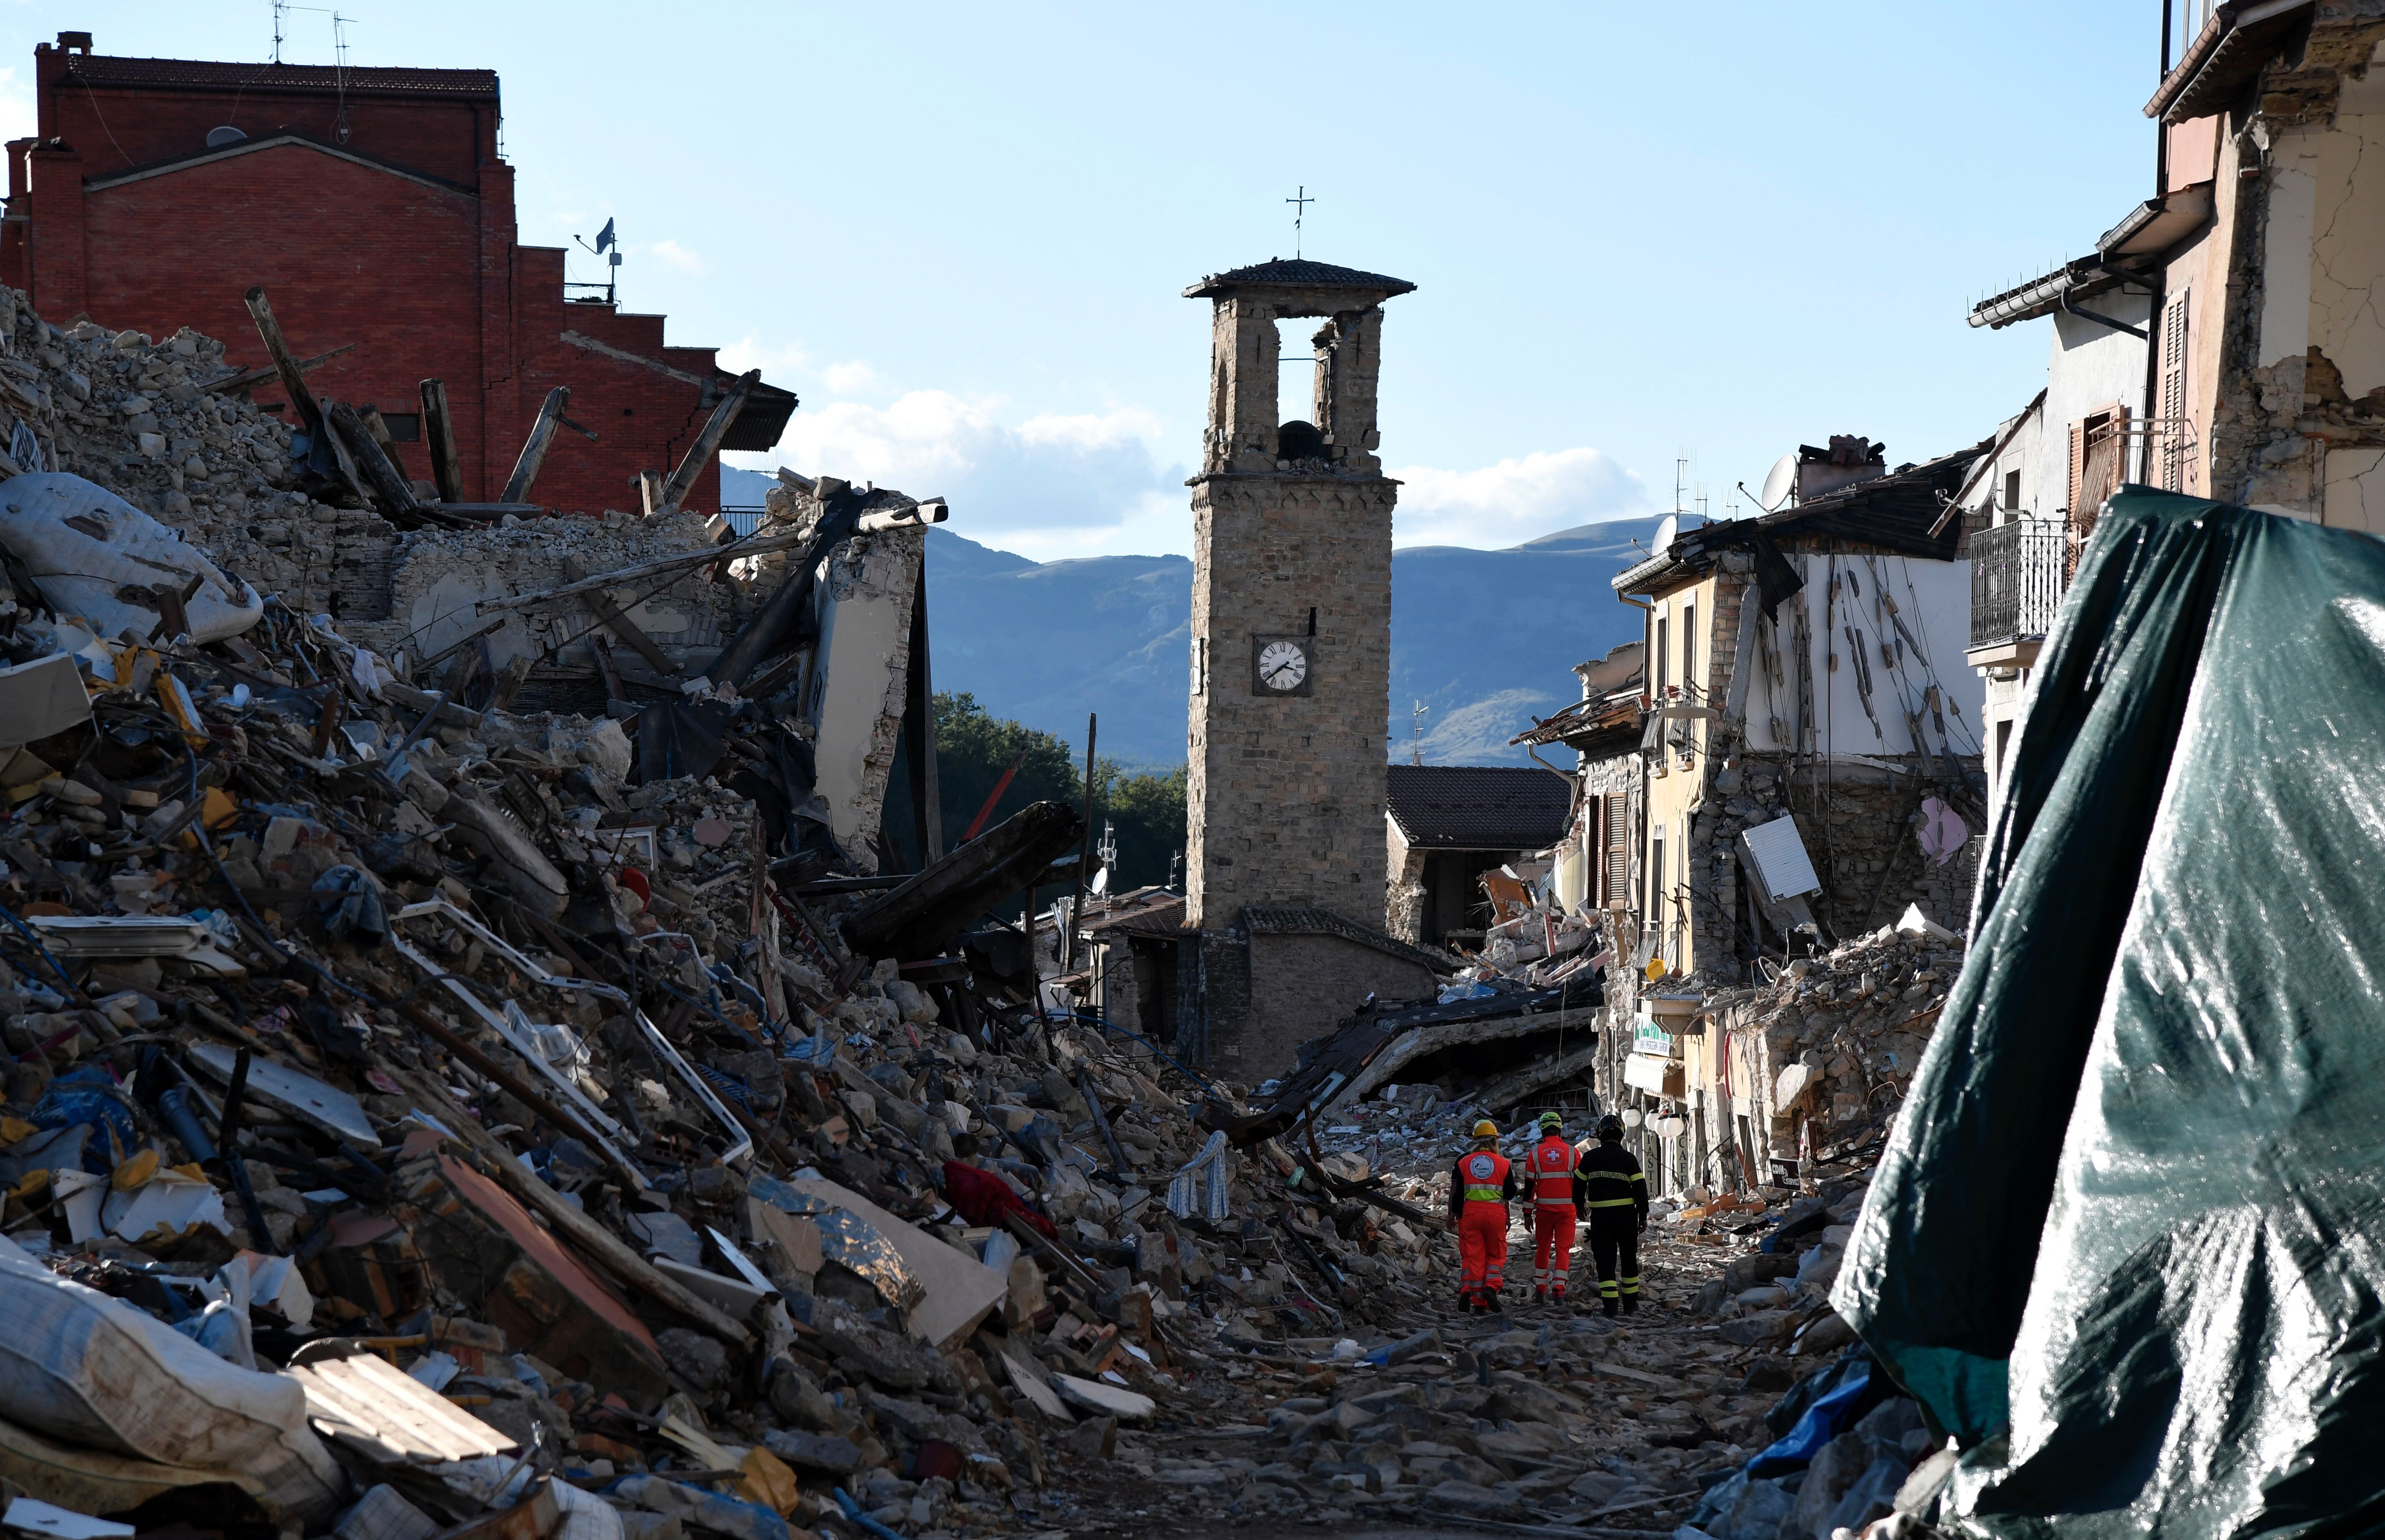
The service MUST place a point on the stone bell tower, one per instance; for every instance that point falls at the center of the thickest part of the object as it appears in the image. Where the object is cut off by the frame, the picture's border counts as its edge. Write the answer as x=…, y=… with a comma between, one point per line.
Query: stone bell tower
x=1291, y=611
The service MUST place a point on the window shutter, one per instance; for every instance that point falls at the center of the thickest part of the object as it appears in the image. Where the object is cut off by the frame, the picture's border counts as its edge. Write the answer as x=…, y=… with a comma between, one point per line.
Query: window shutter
x=2173, y=398
x=1618, y=849
x=2078, y=463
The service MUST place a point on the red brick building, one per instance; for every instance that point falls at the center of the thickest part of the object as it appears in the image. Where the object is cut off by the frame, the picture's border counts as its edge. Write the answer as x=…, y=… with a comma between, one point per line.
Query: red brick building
x=374, y=208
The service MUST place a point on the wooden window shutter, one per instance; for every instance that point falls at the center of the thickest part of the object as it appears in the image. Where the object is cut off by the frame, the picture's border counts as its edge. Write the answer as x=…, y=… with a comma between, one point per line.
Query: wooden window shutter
x=2078, y=463
x=1618, y=848
x=2172, y=433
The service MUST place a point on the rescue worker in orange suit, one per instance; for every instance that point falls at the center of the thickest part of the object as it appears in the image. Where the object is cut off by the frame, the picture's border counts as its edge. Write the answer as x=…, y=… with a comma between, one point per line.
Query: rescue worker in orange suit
x=1614, y=1194
x=1479, y=1186
x=1555, y=1207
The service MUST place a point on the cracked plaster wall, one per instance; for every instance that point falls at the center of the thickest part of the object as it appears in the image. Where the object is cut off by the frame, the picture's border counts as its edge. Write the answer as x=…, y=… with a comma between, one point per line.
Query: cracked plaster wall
x=2297, y=390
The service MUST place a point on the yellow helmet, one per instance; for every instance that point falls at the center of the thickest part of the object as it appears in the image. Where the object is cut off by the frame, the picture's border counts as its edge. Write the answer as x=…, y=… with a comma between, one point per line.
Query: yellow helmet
x=1486, y=1128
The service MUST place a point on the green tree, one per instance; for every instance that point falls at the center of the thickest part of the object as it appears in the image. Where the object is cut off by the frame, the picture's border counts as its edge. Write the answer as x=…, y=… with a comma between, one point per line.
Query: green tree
x=973, y=750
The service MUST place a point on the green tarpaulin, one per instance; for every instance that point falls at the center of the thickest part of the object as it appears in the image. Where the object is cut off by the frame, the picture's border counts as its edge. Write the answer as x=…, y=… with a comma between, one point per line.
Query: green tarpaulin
x=2127, y=1242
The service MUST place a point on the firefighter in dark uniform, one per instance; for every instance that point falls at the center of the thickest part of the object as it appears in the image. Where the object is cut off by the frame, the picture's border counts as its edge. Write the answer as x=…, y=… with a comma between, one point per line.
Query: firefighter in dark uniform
x=1614, y=1194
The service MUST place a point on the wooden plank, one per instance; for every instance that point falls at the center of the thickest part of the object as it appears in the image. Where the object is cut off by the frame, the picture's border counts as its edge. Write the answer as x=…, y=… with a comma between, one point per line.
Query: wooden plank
x=386, y=484
x=682, y=481
x=534, y=448
x=758, y=546
x=593, y=1241
x=293, y=378
x=249, y=378
x=622, y=626
x=439, y=437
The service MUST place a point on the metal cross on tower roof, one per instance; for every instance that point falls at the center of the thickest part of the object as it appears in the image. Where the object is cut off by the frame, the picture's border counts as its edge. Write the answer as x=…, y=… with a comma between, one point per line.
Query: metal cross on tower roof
x=1300, y=211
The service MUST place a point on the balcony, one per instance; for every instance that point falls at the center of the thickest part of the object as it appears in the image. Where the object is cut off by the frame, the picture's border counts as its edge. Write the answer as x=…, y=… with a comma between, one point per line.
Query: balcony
x=2018, y=572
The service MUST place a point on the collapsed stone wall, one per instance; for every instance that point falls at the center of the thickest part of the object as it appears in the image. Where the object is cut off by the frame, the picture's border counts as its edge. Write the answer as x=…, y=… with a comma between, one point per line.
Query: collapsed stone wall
x=435, y=577
x=1830, y=1044
x=1858, y=821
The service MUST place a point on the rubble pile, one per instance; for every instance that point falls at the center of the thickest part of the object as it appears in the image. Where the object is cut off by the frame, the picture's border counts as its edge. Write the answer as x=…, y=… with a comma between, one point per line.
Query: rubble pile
x=422, y=1115
x=1843, y=1030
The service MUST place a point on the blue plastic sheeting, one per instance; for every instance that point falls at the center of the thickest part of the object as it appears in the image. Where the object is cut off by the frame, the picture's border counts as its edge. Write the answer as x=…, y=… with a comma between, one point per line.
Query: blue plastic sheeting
x=1829, y=1415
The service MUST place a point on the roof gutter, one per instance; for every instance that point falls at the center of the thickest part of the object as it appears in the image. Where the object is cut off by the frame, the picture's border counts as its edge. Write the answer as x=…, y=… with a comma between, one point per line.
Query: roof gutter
x=2062, y=303
x=2226, y=23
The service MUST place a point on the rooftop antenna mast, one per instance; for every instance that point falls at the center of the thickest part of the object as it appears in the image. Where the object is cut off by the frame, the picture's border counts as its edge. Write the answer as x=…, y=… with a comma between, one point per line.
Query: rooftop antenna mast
x=1415, y=733
x=608, y=247
x=279, y=7
x=1299, y=214
x=340, y=25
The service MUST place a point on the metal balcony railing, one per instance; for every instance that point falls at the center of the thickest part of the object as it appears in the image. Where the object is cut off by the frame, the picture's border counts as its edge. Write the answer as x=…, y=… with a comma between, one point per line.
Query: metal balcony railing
x=2018, y=572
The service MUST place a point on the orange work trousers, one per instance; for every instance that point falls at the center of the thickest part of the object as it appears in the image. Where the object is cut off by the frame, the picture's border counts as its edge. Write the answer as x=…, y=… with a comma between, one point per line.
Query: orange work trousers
x=1482, y=1249
x=1553, y=1227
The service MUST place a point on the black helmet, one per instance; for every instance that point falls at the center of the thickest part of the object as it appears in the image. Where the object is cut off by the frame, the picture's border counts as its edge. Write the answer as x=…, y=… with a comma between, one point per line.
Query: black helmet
x=1610, y=1128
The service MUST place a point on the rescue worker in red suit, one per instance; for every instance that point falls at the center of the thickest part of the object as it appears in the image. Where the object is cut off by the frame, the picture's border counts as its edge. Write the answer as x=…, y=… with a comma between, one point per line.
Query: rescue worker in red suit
x=1555, y=1201
x=1614, y=1195
x=1479, y=1186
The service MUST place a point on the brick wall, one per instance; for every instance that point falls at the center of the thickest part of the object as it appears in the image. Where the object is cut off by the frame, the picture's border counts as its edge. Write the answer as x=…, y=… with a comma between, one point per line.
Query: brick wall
x=423, y=272
x=1300, y=985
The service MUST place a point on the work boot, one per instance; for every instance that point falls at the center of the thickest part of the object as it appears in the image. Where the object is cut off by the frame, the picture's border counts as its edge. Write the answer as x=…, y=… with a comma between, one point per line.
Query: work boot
x=1497, y=1301
x=1609, y=1309
x=1630, y=1302
x=1539, y=1293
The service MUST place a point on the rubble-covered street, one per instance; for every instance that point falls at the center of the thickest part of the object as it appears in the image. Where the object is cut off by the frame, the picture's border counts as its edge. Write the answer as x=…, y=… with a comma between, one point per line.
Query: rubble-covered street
x=429, y=1060
x=563, y=980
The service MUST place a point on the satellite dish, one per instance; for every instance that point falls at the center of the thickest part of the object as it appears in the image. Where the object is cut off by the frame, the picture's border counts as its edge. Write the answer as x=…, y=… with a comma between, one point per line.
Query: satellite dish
x=218, y=138
x=1778, y=482
x=1665, y=532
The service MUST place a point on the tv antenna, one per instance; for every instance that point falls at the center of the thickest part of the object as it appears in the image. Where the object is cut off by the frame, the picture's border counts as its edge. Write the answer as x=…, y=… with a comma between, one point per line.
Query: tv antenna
x=340, y=25
x=608, y=247
x=1415, y=733
x=1299, y=214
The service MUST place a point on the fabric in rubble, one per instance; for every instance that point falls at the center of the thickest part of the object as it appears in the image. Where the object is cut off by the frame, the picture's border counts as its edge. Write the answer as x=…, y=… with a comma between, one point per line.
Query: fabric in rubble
x=1208, y=1169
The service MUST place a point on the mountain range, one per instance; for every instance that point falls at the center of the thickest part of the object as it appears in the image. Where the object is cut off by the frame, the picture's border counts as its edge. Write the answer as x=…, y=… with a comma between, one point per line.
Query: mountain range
x=1485, y=641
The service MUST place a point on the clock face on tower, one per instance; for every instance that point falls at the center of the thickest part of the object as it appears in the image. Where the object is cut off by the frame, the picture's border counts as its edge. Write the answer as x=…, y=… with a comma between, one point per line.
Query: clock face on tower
x=1282, y=665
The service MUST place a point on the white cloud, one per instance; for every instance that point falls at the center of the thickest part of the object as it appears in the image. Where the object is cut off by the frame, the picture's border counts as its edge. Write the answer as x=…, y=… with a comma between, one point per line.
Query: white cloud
x=1515, y=500
x=848, y=378
x=672, y=255
x=750, y=351
x=1052, y=486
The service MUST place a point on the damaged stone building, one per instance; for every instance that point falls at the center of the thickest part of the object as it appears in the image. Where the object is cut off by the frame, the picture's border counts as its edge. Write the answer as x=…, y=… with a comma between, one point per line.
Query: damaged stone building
x=2259, y=361
x=1447, y=825
x=1788, y=760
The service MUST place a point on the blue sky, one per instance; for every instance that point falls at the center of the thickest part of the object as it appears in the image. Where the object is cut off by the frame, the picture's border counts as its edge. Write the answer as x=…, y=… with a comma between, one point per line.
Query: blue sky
x=960, y=232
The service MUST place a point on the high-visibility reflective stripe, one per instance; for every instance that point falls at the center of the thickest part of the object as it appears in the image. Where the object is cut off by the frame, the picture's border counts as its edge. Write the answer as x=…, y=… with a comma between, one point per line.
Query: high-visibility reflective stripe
x=1610, y=1202
x=1556, y=1203
x=1484, y=1194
